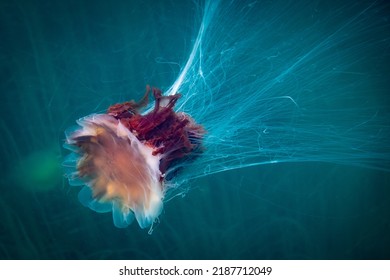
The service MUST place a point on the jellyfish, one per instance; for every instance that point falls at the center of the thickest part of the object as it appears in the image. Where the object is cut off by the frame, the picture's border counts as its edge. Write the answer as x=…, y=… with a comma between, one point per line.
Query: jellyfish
x=259, y=85
x=124, y=157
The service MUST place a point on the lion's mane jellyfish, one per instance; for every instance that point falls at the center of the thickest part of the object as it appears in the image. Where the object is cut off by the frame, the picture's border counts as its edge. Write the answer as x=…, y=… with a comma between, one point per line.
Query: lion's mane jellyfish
x=298, y=87
x=125, y=159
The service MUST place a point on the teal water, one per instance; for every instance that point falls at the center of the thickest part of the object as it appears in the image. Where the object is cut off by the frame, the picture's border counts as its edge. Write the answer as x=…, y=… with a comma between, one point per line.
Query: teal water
x=61, y=60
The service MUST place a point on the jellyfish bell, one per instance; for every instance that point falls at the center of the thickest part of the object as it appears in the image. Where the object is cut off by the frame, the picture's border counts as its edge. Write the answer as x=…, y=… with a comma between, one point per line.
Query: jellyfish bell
x=119, y=168
x=122, y=157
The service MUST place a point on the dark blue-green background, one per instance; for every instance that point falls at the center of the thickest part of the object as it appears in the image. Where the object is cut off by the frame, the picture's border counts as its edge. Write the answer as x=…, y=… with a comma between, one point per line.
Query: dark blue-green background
x=61, y=60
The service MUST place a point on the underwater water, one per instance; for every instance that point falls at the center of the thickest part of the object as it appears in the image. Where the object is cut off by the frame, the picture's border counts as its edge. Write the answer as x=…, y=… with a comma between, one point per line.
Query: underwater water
x=294, y=98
